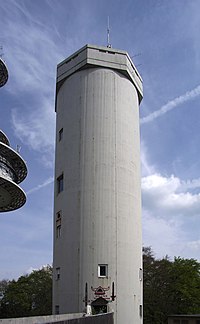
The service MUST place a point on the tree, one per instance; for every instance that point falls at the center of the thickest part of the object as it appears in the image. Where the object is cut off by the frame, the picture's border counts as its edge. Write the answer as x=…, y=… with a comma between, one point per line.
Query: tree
x=157, y=298
x=30, y=295
x=186, y=286
x=170, y=287
x=3, y=287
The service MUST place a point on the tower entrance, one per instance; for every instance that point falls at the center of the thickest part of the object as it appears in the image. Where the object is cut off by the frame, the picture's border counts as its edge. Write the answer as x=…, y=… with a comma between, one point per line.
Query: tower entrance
x=99, y=306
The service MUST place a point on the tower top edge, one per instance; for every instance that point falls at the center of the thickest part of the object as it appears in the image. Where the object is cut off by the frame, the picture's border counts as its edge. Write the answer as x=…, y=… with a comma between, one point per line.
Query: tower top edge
x=94, y=47
x=102, y=49
x=92, y=56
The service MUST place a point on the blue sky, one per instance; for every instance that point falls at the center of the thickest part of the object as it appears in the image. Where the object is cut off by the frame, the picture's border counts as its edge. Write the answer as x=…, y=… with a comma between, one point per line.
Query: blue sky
x=162, y=37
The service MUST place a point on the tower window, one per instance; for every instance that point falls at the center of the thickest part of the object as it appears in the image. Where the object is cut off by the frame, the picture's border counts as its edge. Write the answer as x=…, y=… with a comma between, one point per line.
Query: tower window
x=102, y=270
x=60, y=183
x=57, y=273
x=140, y=310
x=58, y=224
x=57, y=311
x=58, y=231
x=60, y=134
x=140, y=274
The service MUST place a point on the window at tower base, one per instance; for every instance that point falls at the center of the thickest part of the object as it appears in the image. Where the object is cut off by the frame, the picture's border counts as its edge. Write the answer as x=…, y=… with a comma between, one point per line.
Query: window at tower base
x=57, y=311
x=102, y=270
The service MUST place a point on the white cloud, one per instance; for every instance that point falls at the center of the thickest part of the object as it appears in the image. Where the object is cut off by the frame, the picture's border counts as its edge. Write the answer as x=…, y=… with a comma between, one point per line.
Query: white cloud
x=31, y=269
x=165, y=196
x=168, y=237
x=191, y=184
x=32, y=56
x=189, y=95
x=170, y=213
x=37, y=129
x=165, y=236
x=194, y=245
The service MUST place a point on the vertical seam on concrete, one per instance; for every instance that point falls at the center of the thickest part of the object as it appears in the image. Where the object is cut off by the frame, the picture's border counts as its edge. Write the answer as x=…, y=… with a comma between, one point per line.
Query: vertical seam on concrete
x=115, y=116
x=83, y=112
x=92, y=209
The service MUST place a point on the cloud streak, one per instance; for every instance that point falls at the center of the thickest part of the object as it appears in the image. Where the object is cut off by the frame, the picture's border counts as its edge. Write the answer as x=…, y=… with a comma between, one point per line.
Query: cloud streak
x=40, y=186
x=147, y=169
x=32, y=56
x=34, y=129
x=189, y=95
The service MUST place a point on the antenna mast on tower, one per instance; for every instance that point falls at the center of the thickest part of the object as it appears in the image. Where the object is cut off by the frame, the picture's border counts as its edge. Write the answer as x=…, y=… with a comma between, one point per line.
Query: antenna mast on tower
x=108, y=35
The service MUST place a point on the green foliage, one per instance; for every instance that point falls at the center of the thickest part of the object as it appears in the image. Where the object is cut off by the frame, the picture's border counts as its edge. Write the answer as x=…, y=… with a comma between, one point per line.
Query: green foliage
x=30, y=295
x=170, y=287
x=186, y=278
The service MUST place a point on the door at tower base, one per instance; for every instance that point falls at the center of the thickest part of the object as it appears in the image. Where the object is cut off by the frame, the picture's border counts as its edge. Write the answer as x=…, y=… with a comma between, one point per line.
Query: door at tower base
x=99, y=306
x=97, y=214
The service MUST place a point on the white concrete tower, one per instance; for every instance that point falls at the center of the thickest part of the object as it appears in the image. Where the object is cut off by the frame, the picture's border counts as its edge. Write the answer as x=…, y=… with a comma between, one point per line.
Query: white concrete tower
x=97, y=210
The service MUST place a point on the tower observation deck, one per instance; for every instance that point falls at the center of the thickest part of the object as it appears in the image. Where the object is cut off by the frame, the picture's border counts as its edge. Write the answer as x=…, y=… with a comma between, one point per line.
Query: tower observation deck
x=13, y=169
x=3, y=73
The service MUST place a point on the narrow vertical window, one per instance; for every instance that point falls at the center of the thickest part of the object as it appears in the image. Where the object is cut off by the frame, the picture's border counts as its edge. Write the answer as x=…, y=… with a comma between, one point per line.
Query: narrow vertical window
x=140, y=310
x=58, y=224
x=86, y=294
x=60, y=183
x=113, y=296
x=60, y=134
x=57, y=311
x=102, y=270
x=57, y=273
x=140, y=274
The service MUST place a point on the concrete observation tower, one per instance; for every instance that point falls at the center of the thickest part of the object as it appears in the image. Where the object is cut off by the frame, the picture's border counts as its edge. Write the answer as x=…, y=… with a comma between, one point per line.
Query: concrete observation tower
x=13, y=169
x=97, y=208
